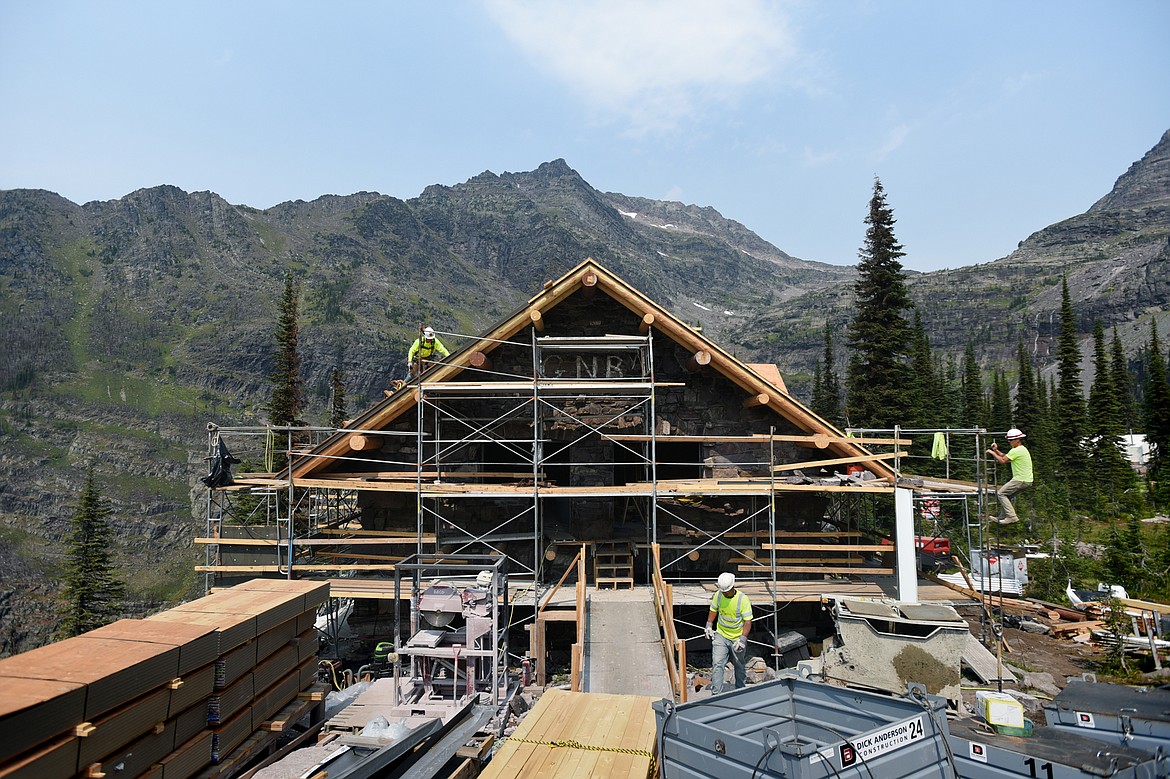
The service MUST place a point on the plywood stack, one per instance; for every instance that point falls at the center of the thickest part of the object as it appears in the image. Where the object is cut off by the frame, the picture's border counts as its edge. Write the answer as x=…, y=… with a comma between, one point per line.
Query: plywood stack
x=569, y=734
x=167, y=696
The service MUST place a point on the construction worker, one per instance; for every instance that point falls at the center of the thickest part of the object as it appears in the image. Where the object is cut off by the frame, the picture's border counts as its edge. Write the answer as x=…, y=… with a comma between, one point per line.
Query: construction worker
x=424, y=348
x=728, y=625
x=1021, y=461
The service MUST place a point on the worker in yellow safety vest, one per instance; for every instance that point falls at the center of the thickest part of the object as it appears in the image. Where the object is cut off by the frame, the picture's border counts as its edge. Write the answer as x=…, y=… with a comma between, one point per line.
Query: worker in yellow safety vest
x=424, y=349
x=728, y=625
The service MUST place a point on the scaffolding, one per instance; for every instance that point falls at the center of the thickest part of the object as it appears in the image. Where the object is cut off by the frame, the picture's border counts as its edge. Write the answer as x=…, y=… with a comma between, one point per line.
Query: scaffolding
x=582, y=428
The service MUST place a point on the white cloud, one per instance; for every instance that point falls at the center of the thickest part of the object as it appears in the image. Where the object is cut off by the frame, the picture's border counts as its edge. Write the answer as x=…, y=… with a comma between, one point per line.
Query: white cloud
x=814, y=158
x=650, y=63
x=894, y=139
x=1022, y=82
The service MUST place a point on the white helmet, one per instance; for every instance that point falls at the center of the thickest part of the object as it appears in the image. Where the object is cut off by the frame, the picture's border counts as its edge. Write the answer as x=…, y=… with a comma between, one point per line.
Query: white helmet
x=1014, y=433
x=429, y=333
x=725, y=582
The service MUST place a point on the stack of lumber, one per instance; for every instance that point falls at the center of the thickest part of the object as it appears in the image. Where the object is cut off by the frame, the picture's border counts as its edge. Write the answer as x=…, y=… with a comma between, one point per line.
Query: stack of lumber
x=165, y=697
x=569, y=734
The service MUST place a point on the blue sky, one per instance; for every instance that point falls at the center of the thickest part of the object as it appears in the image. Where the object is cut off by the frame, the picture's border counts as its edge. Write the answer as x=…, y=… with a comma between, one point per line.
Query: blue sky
x=985, y=120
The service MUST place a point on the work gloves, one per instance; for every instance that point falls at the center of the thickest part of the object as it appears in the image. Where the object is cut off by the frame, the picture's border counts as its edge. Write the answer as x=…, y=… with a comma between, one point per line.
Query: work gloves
x=740, y=644
x=709, y=632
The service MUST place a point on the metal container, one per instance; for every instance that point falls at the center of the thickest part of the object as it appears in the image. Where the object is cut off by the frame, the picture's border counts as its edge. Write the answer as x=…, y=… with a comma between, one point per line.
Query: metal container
x=1129, y=716
x=797, y=728
x=1048, y=753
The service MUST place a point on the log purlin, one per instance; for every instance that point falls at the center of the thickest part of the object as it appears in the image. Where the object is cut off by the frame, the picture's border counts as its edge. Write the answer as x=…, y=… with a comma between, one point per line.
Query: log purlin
x=643, y=307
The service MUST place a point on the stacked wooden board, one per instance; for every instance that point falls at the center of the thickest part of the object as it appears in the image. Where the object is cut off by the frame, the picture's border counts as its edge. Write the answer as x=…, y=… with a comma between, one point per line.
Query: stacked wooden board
x=580, y=734
x=165, y=697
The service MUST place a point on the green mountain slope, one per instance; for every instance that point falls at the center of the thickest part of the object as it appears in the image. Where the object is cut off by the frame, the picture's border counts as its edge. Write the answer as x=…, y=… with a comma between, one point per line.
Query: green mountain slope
x=130, y=324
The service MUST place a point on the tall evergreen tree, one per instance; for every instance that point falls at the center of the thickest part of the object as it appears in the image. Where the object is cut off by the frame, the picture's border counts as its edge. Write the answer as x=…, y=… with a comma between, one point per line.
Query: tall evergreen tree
x=951, y=398
x=972, y=388
x=926, y=410
x=925, y=380
x=1156, y=408
x=1026, y=408
x=1070, y=399
x=337, y=406
x=93, y=591
x=288, y=395
x=970, y=414
x=1122, y=384
x=1000, y=417
x=877, y=378
x=827, y=387
x=1111, y=474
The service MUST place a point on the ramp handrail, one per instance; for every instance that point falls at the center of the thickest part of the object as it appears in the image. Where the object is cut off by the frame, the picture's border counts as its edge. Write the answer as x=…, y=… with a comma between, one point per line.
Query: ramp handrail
x=578, y=653
x=578, y=657
x=673, y=649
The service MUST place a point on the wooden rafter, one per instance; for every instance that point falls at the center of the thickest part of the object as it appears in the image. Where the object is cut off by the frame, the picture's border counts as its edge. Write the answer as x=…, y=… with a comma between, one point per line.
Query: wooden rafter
x=589, y=275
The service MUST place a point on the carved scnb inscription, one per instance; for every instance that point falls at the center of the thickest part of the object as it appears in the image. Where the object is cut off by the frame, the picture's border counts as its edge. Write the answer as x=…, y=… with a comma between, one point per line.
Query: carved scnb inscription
x=592, y=366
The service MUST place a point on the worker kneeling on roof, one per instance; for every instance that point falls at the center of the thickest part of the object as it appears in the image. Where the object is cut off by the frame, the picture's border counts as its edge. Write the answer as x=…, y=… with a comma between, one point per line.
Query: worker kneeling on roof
x=424, y=349
x=728, y=625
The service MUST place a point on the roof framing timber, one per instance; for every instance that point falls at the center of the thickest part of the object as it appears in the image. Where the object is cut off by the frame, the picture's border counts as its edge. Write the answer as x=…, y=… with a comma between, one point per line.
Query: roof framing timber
x=589, y=275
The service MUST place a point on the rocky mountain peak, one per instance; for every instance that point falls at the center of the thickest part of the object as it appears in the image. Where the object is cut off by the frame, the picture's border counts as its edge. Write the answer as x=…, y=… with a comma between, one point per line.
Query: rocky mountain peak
x=1146, y=183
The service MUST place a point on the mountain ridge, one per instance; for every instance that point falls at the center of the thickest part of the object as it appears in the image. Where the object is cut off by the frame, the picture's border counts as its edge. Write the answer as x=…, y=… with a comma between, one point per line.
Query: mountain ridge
x=134, y=322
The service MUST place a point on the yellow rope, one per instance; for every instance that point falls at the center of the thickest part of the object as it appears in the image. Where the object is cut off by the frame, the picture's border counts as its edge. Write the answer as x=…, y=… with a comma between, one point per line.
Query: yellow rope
x=574, y=744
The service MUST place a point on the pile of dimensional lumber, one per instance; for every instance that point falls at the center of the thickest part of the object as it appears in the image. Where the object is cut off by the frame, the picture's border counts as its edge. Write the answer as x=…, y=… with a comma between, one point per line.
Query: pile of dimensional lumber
x=164, y=697
x=569, y=734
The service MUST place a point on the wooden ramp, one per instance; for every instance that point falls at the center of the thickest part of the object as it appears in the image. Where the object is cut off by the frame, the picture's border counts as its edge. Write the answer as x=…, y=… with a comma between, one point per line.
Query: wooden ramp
x=574, y=734
x=623, y=644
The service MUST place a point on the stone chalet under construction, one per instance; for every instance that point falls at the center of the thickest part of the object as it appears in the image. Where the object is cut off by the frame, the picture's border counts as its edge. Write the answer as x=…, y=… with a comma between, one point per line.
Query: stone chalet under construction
x=591, y=424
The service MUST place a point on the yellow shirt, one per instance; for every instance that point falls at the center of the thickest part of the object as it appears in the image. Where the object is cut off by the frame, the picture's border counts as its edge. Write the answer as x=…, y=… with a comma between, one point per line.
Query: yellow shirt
x=732, y=613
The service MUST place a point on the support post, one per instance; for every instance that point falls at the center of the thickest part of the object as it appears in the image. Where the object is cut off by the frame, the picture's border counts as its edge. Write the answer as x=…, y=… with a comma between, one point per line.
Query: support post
x=906, y=553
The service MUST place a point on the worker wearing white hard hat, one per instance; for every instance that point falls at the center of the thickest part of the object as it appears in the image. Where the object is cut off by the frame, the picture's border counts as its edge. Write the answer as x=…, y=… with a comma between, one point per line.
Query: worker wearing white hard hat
x=424, y=349
x=728, y=625
x=1020, y=460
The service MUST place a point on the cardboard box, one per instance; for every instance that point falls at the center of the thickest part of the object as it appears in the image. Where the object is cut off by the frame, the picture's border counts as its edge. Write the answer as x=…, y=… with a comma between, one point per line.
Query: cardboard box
x=1000, y=708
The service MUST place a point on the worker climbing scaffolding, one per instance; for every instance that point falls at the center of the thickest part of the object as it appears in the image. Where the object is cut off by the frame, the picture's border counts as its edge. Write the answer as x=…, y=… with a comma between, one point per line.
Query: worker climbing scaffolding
x=1021, y=462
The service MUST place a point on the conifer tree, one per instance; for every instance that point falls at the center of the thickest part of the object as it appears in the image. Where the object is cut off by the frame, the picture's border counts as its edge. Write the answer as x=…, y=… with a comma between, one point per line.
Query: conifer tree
x=1156, y=410
x=972, y=388
x=1026, y=408
x=93, y=591
x=337, y=406
x=877, y=377
x=1040, y=433
x=288, y=397
x=924, y=379
x=970, y=412
x=826, y=385
x=1122, y=384
x=1000, y=417
x=951, y=397
x=1111, y=474
x=1069, y=400
x=926, y=409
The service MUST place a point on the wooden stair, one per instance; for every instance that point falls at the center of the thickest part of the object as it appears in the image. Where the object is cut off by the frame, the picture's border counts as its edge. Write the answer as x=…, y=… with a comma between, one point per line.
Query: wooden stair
x=613, y=565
